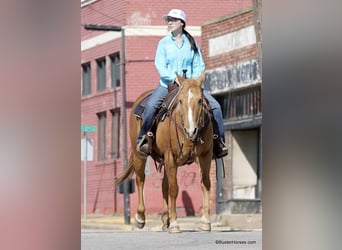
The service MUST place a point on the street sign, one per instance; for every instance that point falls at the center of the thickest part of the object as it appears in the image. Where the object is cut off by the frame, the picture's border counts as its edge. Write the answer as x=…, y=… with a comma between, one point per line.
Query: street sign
x=89, y=155
x=88, y=128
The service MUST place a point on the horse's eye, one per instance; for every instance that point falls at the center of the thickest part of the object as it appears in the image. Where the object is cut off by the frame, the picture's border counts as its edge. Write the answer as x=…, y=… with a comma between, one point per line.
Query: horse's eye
x=180, y=102
x=200, y=101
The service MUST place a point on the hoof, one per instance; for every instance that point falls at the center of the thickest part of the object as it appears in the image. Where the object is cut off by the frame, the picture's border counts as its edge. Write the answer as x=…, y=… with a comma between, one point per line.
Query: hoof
x=139, y=223
x=165, y=227
x=205, y=227
x=166, y=221
x=174, y=229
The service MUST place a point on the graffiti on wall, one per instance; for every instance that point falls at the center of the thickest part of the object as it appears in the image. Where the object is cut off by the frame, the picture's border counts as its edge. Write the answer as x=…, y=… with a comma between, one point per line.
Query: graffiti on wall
x=185, y=176
x=138, y=18
x=232, y=76
x=185, y=179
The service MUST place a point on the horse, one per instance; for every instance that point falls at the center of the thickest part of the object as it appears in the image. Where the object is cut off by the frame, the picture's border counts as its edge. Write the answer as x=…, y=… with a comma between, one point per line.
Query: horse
x=184, y=136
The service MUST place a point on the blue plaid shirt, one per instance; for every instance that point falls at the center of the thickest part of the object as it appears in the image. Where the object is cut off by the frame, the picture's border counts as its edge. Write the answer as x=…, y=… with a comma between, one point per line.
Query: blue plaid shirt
x=171, y=59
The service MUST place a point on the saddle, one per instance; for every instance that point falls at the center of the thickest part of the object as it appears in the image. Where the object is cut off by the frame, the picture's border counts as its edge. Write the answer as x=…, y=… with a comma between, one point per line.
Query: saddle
x=166, y=105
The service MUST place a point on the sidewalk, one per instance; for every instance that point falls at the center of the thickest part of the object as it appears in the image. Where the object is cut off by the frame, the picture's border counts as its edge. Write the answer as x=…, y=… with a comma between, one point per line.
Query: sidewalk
x=235, y=222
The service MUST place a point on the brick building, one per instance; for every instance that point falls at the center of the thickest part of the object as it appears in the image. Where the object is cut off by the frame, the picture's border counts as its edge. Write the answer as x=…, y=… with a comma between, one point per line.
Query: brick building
x=101, y=102
x=233, y=76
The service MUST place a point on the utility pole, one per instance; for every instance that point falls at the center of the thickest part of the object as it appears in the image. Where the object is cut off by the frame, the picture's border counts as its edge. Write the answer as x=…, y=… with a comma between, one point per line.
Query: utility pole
x=123, y=107
x=85, y=129
x=257, y=7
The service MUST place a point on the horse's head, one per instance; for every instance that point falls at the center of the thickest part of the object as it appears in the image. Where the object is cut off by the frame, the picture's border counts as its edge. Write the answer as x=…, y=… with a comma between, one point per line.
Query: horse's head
x=190, y=105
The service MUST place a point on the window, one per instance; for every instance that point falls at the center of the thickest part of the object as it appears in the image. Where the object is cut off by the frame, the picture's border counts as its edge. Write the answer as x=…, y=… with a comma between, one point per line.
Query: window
x=115, y=70
x=115, y=147
x=101, y=74
x=86, y=80
x=241, y=104
x=101, y=138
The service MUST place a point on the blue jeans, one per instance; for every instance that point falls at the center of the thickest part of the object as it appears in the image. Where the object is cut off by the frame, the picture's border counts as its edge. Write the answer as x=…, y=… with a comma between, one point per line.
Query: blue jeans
x=217, y=112
x=152, y=106
x=155, y=101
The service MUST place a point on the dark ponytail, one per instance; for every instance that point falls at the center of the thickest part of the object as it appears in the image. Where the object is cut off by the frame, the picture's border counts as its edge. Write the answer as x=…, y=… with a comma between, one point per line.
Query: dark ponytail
x=191, y=40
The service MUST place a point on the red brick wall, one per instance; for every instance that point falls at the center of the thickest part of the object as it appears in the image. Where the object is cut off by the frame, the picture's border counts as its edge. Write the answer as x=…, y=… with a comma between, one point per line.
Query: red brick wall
x=104, y=12
x=223, y=26
x=197, y=11
x=102, y=197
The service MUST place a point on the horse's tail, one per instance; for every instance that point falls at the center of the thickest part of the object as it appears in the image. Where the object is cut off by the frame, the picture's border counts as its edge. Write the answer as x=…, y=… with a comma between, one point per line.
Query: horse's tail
x=127, y=173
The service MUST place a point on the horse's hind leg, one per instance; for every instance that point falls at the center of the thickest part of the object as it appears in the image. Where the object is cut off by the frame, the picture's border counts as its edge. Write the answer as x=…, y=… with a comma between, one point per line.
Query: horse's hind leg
x=139, y=165
x=204, y=164
x=165, y=213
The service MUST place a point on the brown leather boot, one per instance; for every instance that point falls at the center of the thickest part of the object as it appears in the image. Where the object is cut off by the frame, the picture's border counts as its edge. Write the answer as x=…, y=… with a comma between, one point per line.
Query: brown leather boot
x=223, y=149
x=142, y=147
x=220, y=149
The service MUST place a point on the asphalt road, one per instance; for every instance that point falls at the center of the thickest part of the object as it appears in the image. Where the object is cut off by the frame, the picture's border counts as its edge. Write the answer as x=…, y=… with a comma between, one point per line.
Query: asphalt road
x=149, y=240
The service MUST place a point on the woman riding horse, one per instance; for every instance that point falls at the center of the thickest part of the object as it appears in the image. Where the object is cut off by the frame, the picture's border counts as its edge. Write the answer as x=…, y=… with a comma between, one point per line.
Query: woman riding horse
x=184, y=135
x=176, y=52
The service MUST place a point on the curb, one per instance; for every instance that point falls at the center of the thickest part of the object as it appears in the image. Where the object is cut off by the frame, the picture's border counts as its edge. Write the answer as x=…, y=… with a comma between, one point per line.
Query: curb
x=235, y=222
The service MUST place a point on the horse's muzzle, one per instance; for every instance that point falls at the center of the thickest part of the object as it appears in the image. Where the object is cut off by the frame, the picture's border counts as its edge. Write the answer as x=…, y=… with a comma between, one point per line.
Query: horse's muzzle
x=191, y=134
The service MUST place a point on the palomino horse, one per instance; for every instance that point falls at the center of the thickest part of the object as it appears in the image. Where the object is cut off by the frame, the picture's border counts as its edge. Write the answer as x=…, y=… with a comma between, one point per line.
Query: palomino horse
x=185, y=135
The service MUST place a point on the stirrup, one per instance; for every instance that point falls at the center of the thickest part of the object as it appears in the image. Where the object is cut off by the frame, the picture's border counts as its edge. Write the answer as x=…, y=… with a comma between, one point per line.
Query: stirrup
x=142, y=146
x=223, y=149
x=220, y=149
x=150, y=134
x=223, y=153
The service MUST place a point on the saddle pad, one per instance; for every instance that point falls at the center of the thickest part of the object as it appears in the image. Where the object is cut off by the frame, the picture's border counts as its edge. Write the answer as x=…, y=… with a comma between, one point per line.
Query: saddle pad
x=139, y=109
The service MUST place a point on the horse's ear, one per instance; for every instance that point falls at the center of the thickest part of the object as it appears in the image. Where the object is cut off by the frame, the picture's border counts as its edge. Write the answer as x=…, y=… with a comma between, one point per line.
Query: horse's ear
x=179, y=79
x=201, y=79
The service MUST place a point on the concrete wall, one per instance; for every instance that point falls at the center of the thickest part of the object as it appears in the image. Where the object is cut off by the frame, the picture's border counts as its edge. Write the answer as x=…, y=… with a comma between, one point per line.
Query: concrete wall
x=245, y=161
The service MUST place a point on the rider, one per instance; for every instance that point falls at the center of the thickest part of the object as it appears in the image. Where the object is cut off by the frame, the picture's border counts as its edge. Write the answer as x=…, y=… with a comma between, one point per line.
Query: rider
x=176, y=52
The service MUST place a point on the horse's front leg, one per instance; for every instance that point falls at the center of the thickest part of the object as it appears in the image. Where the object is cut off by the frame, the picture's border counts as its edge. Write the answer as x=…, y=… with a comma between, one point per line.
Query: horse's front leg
x=165, y=213
x=173, y=190
x=204, y=164
x=139, y=165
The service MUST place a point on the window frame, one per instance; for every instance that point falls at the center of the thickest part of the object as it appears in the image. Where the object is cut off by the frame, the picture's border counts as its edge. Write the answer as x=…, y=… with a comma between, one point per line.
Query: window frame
x=115, y=65
x=86, y=78
x=101, y=74
x=101, y=136
x=115, y=133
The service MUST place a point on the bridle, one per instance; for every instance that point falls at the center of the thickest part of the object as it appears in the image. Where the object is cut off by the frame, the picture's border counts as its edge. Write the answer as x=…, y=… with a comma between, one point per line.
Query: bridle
x=201, y=121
